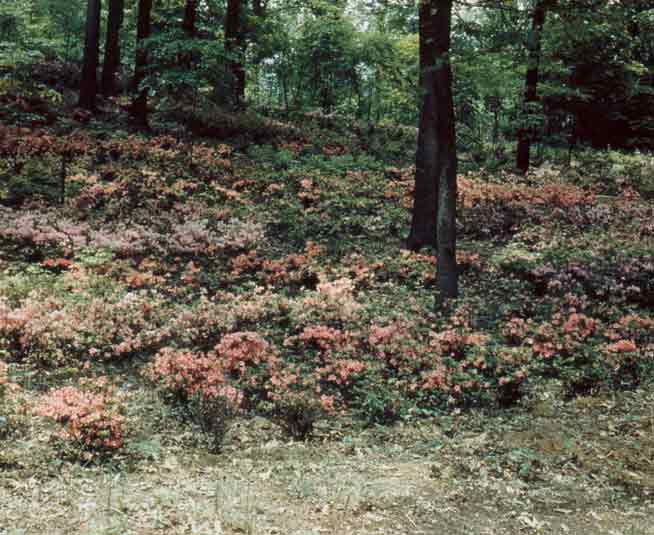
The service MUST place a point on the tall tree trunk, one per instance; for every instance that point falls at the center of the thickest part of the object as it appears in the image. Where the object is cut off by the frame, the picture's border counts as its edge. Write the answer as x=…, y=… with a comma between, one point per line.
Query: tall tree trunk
x=526, y=132
x=425, y=195
x=112, y=47
x=190, y=17
x=448, y=274
x=434, y=212
x=259, y=8
x=190, y=28
x=89, y=83
x=139, y=108
x=234, y=45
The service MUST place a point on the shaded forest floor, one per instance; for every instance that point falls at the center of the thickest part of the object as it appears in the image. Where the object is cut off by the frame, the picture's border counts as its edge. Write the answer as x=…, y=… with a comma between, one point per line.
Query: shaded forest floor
x=526, y=408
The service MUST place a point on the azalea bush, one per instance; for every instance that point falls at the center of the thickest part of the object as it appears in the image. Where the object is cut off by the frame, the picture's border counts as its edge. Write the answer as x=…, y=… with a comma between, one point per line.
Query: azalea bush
x=198, y=383
x=89, y=415
x=296, y=402
x=269, y=281
x=50, y=331
x=51, y=233
x=586, y=352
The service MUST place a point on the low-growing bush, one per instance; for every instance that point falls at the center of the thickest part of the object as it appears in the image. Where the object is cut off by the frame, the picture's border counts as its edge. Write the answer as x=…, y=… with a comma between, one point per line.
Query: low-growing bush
x=214, y=415
x=51, y=331
x=380, y=404
x=297, y=412
x=295, y=401
x=89, y=415
x=197, y=384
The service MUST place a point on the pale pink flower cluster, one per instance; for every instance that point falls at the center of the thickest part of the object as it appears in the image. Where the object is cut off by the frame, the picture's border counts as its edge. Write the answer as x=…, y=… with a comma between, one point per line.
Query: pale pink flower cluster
x=160, y=236
x=90, y=419
x=323, y=337
x=238, y=350
x=622, y=346
x=205, y=322
x=332, y=301
x=50, y=332
x=42, y=228
x=186, y=374
x=342, y=372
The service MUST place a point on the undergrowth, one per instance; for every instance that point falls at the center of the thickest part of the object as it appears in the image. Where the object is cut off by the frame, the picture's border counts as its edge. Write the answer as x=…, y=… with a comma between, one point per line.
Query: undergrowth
x=270, y=281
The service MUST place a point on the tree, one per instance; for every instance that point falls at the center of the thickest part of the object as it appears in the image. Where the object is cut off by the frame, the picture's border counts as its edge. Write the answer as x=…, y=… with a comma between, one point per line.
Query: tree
x=604, y=95
x=434, y=211
x=190, y=17
x=328, y=55
x=259, y=8
x=526, y=132
x=112, y=47
x=89, y=83
x=139, y=108
x=448, y=274
x=234, y=47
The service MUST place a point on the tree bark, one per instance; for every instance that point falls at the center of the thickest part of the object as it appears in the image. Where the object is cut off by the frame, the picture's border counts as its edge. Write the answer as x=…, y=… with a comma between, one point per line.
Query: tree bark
x=448, y=273
x=526, y=132
x=112, y=47
x=434, y=211
x=425, y=195
x=190, y=17
x=89, y=83
x=234, y=44
x=139, y=109
x=259, y=8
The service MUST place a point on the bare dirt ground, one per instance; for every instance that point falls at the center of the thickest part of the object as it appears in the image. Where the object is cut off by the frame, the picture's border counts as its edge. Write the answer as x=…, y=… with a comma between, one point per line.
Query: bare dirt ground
x=582, y=467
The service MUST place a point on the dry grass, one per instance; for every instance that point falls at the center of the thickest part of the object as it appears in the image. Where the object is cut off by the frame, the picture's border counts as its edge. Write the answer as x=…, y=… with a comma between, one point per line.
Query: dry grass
x=584, y=467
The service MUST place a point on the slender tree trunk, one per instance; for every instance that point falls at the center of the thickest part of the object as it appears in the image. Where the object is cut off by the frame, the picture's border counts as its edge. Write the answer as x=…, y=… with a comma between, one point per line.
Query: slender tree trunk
x=259, y=8
x=89, y=83
x=434, y=215
x=526, y=133
x=234, y=47
x=448, y=274
x=112, y=47
x=139, y=108
x=423, y=224
x=190, y=17
x=190, y=28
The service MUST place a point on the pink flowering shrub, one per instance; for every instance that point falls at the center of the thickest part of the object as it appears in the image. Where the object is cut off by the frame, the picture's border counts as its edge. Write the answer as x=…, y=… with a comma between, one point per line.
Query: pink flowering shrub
x=8, y=403
x=204, y=323
x=586, y=352
x=236, y=351
x=184, y=374
x=455, y=366
x=322, y=339
x=196, y=236
x=44, y=228
x=90, y=416
x=49, y=331
x=340, y=376
x=402, y=349
x=197, y=382
x=293, y=269
x=333, y=357
x=332, y=302
x=127, y=240
x=143, y=234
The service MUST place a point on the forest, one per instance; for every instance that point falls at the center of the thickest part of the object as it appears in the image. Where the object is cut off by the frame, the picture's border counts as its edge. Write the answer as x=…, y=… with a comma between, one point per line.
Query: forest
x=302, y=267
